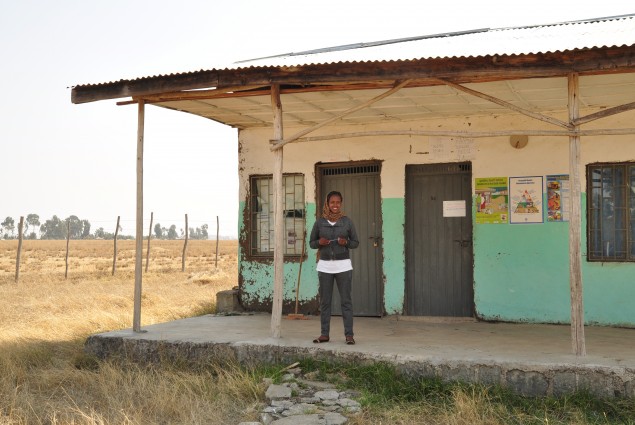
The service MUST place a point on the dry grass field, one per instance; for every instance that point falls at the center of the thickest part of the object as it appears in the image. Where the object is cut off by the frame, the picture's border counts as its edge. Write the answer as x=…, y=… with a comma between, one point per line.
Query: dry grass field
x=45, y=378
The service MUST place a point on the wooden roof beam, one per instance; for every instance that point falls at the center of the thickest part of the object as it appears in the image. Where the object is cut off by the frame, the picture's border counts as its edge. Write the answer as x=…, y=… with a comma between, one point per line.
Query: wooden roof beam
x=604, y=113
x=197, y=94
x=398, y=86
x=535, y=115
x=458, y=70
x=473, y=134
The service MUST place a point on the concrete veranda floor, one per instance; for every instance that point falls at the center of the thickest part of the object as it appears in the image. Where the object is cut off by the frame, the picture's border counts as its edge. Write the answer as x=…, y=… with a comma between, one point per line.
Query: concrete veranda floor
x=530, y=358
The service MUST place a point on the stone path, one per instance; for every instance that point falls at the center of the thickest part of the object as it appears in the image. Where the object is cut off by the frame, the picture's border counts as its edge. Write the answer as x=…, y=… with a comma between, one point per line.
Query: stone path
x=301, y=400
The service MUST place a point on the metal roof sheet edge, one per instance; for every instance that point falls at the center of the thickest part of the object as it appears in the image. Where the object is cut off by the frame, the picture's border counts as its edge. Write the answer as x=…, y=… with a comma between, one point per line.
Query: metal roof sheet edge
x=370, y=44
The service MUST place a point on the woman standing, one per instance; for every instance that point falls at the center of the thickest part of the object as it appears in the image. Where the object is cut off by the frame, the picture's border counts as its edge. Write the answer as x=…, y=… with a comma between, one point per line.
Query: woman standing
x=333, y=235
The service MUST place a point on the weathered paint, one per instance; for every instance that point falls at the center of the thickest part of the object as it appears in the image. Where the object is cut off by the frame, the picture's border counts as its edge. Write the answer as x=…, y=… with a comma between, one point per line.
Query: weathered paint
x=257, y=276
x=609, y=289
x=521, y=271
x=521, y=274
x=393, y=212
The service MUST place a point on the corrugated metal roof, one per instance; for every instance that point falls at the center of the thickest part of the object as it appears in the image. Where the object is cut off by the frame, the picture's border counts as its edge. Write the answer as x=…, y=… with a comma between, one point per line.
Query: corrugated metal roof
x=598, y=32
x=614, y=31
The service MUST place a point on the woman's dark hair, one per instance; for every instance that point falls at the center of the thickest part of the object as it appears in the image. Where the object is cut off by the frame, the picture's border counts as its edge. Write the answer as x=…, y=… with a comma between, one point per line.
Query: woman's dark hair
x=334, y=193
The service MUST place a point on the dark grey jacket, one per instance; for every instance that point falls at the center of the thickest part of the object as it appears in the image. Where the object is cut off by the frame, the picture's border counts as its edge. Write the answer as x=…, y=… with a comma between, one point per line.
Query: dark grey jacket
x=333, y=251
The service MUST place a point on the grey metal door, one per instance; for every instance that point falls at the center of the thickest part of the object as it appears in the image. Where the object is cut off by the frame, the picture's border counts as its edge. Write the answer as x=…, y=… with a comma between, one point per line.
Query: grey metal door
x=439, y=274
x=359, y=184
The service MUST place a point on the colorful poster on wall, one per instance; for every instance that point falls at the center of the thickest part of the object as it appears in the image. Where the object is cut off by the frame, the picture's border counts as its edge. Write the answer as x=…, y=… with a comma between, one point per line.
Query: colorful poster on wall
x=558, y=197
x=491, y=200
x=525, y=200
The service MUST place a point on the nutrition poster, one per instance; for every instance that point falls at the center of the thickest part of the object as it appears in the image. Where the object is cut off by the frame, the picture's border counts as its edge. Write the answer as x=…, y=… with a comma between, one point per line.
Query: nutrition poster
x=525, y=200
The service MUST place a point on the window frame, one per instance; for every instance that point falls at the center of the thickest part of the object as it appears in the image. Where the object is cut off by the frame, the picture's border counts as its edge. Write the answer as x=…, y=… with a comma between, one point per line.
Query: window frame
x=623, y=192
x=252, y=231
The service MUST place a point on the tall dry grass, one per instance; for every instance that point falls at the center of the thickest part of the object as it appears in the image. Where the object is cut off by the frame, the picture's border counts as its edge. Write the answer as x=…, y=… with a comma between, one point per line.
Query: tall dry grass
x=45, y=378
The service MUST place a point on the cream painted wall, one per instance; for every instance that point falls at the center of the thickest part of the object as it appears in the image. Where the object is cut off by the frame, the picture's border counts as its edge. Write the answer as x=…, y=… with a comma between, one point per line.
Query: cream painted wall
x=492, y=156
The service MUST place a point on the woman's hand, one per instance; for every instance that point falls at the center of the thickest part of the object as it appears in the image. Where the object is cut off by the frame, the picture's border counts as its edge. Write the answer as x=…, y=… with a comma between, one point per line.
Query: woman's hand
x=323, y=241
x=341, y=240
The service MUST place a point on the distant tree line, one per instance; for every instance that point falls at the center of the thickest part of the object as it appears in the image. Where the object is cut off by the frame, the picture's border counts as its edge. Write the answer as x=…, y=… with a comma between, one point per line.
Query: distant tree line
x=56, y=228
x=161, y=232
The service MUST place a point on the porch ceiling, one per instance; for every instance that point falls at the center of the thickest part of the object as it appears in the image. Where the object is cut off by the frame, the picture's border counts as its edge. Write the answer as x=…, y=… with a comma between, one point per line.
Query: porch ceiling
x=409, y=104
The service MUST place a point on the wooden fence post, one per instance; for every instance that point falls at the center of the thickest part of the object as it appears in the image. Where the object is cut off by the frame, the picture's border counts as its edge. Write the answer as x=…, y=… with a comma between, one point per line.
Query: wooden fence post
x=149, y=237
x=216, y=264
x=184, y=245
x=114, y=255
x=17, y=260
x=68, y=239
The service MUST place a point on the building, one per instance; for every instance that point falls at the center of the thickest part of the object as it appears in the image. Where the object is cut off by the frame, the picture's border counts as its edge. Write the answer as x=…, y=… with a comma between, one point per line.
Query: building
x=490, y=173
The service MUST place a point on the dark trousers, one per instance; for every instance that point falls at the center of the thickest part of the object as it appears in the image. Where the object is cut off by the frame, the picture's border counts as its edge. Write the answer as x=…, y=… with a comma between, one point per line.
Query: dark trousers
x=344, y=286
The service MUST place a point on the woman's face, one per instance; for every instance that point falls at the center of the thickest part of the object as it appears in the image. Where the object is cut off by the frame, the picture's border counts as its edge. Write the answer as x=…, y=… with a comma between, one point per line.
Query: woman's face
x=335, y=204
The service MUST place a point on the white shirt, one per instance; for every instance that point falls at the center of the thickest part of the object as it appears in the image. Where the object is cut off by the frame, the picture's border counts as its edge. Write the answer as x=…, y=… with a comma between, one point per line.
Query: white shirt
x=335, y=266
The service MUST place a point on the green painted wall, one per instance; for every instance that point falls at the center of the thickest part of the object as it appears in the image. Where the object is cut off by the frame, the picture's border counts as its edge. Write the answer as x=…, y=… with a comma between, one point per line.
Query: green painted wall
x=608, y=288
x=257, y=276
x=521, y=274
x=393, y=212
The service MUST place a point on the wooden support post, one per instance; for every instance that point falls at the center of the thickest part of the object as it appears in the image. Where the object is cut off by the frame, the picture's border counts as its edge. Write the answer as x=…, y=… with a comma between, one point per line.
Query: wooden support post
x=278, y=195
x=114, y=253
x=149, y=238
x=17, y=259
x=217, y=226
x=138, y=276
x=187, y=231
x=575, y=272
x=68, y=239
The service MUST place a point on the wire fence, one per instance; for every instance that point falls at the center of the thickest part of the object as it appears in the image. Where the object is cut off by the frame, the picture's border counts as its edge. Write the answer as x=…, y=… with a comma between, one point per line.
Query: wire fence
x=149, y=237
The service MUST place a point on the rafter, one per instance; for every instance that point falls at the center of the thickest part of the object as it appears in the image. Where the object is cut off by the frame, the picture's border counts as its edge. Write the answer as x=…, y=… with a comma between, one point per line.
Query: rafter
x=604, y=113
x=398, y=86
x=196, y=94
x=535, y=115
x=472, y=134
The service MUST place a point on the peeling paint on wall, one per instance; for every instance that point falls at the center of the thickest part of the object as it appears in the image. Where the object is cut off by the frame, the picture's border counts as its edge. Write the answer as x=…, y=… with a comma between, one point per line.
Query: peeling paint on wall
x=394, y=215
x=521, y=272
x=256, y=277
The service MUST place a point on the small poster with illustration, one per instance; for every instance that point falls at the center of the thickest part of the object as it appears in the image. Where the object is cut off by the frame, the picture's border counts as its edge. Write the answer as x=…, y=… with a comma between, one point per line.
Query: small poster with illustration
x=491, y=200
x=558, y=197
x=525, y=203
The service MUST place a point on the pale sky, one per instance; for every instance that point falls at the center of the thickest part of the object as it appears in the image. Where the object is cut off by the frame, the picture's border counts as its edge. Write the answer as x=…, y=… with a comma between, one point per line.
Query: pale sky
x=64, y=159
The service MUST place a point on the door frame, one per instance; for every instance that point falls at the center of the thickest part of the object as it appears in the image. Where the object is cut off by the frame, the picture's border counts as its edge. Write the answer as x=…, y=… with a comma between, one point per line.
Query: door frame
x=469, y=205
x=319, y=198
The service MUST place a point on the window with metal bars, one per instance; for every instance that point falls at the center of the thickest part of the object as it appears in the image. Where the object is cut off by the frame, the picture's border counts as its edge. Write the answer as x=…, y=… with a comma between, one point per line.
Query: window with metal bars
x=611, y=212
x=262, y=218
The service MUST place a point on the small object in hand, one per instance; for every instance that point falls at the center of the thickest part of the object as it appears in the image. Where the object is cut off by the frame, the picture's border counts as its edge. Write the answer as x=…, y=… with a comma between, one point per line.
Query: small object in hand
x=324, y=241
x=341, y=240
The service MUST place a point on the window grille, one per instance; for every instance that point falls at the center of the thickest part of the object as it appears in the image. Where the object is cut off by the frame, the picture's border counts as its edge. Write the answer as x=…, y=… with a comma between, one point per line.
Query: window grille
x=611, y=212
x=436, y=169
x=262, y=217
x=356, y=169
